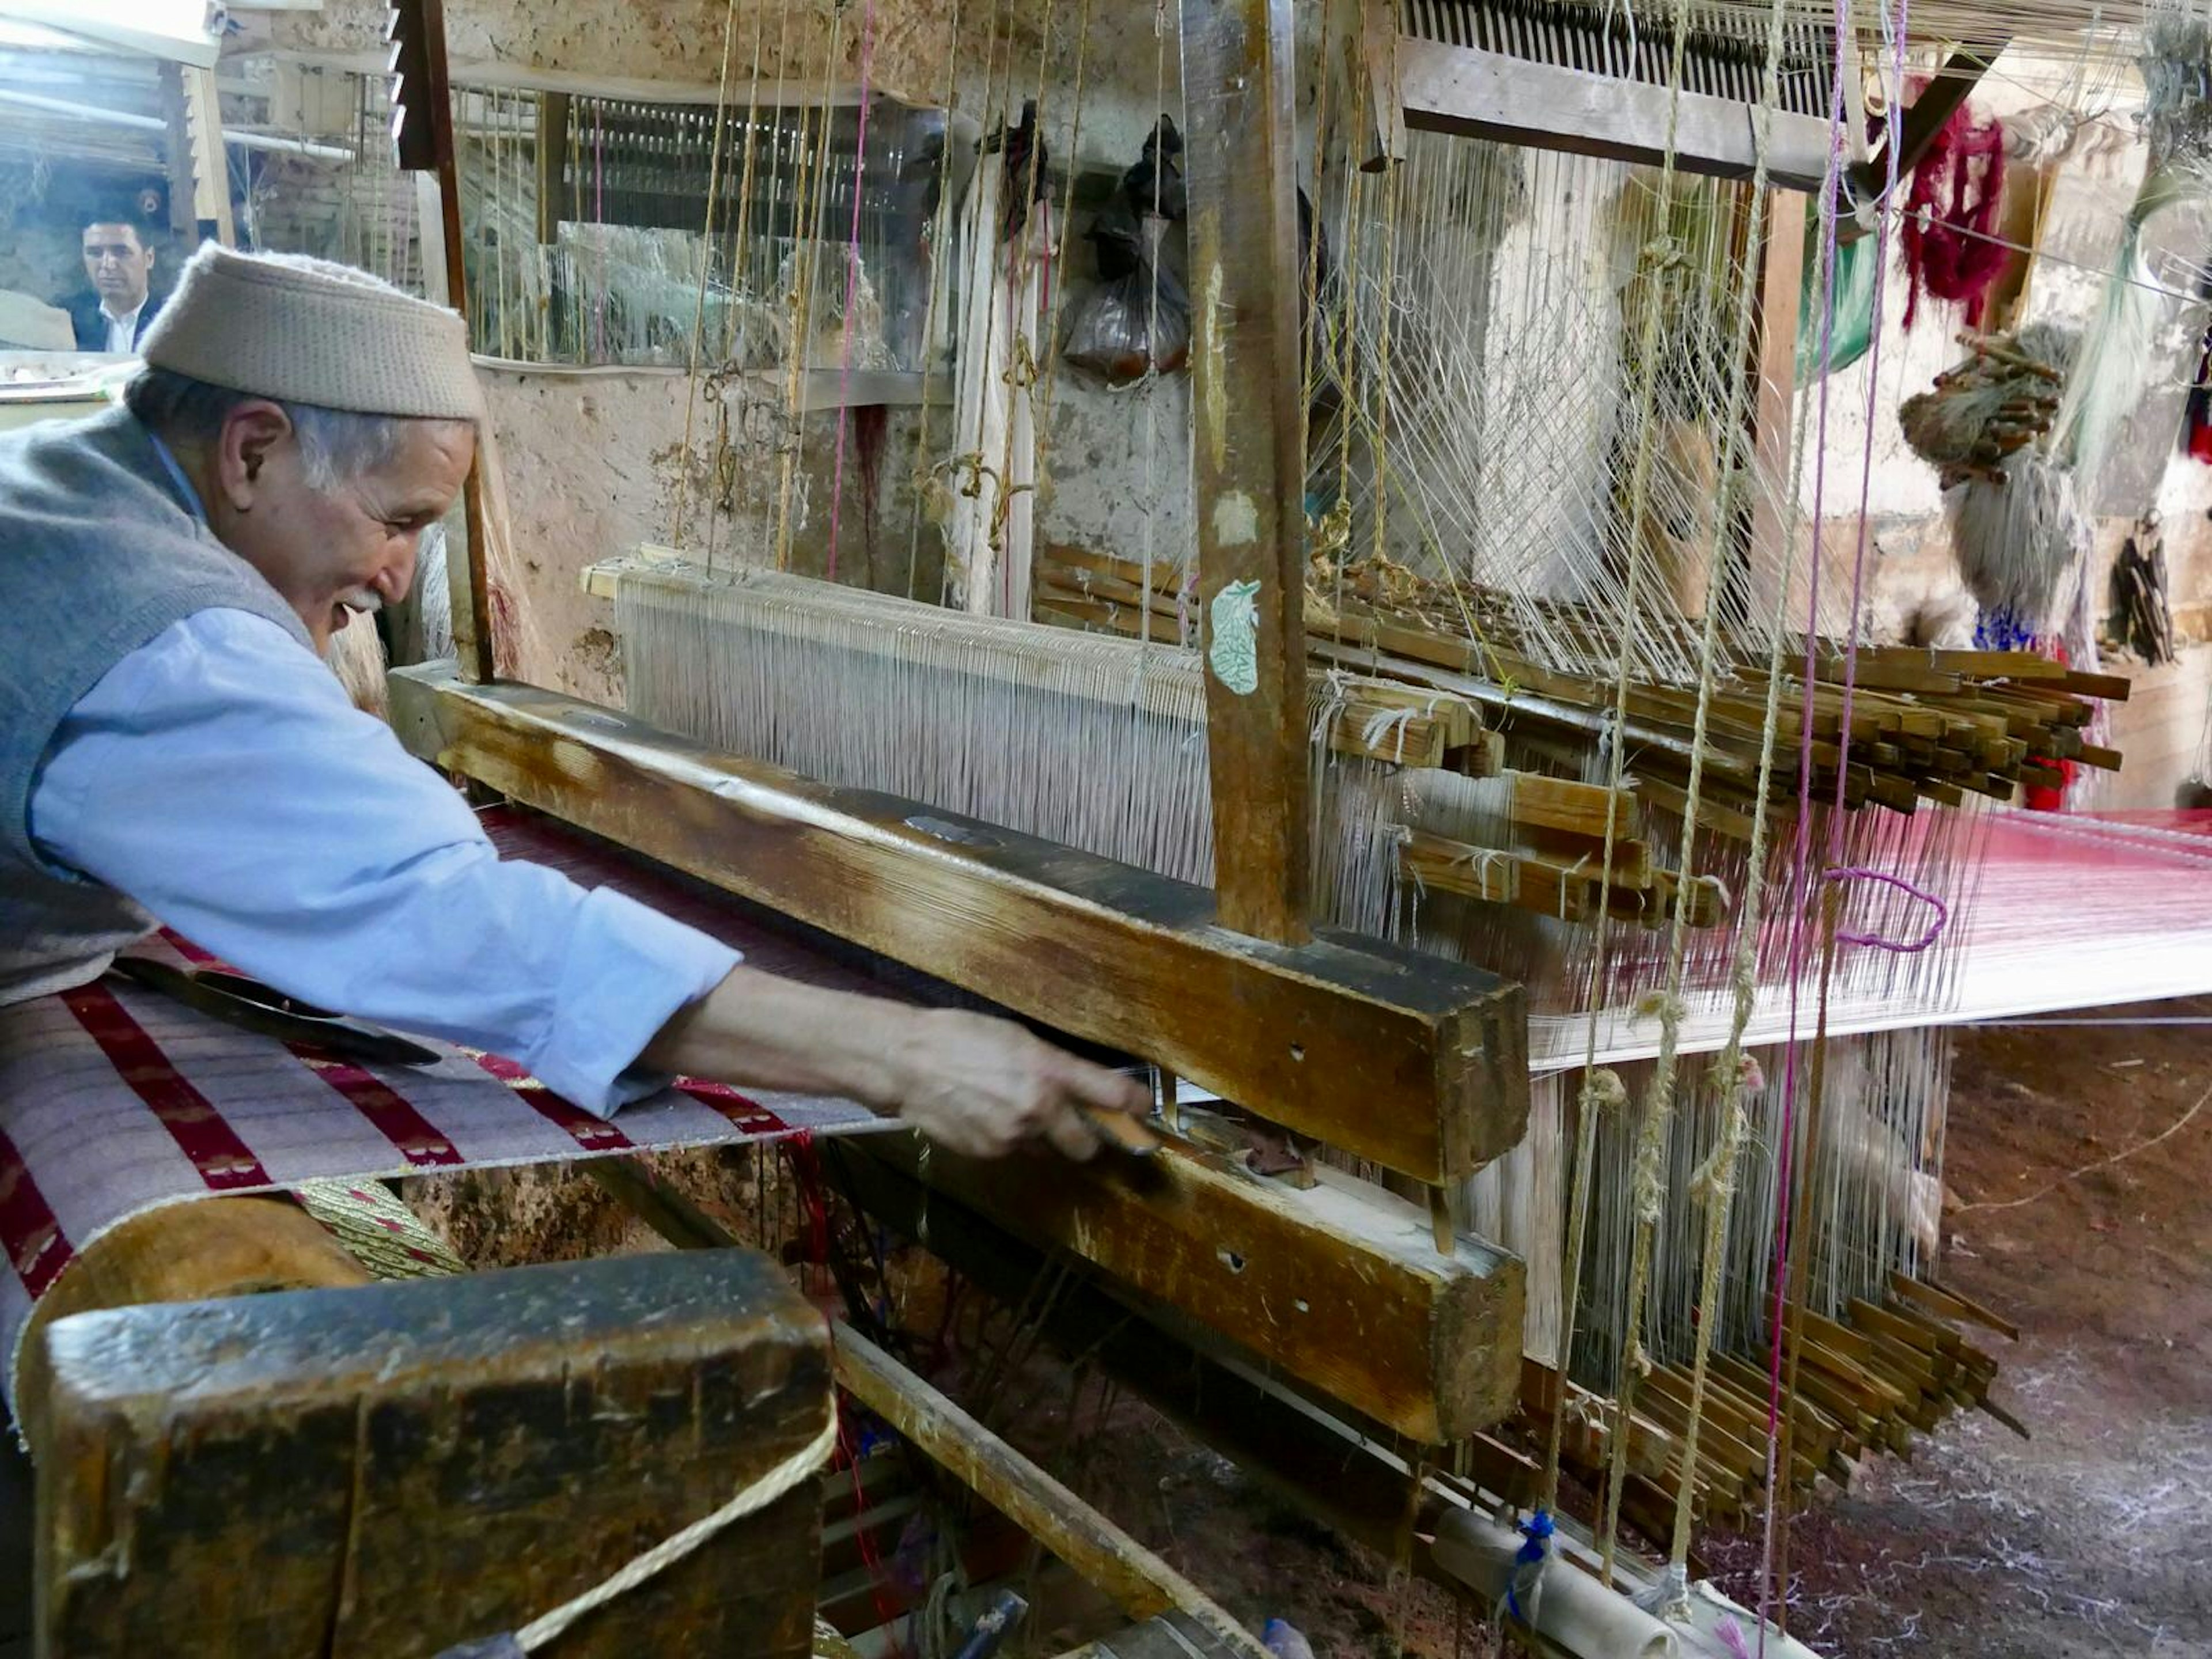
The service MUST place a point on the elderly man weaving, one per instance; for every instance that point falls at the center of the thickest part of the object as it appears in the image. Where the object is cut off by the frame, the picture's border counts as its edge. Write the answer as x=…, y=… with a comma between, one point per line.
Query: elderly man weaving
x=176, y=750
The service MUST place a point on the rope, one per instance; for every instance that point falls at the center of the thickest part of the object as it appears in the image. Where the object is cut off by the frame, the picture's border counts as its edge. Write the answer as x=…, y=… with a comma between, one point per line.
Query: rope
x=852, y=277
x=1646, y=1190
x=2048, y=1187
x=779, y=1480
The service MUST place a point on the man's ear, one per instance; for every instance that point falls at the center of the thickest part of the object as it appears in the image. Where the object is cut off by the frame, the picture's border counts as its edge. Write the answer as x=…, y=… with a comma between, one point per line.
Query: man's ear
x=250, y=434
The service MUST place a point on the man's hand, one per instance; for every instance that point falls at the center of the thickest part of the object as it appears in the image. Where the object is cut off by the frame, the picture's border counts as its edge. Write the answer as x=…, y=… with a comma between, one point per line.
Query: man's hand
x=975, y=1085
x=984, y=1086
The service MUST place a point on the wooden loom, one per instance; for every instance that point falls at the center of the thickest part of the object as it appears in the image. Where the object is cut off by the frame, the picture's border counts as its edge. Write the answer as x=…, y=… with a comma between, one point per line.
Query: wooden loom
x=1421, y=1070
x=1415, y=1065
x=1923, y=731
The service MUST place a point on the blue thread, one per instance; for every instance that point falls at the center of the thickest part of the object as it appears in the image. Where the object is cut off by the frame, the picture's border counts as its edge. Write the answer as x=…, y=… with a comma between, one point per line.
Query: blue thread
x=1536, y=1534
x=2001, y=630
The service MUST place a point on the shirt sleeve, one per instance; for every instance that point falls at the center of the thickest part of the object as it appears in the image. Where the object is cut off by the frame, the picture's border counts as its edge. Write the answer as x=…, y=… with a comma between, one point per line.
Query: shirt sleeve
x=219, y=777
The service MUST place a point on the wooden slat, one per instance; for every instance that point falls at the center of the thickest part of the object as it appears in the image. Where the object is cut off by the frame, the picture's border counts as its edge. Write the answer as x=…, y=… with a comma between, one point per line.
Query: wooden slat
x=1952, y=1304
x=552, y=152
x=1418, y=1064
x=1240, y=159
x=1581, y=809
x=1781, y=281
x=1340, y=1284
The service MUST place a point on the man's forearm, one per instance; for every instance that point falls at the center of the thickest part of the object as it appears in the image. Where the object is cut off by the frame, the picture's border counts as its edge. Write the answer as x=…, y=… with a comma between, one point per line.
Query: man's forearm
x=755, y=1030
x=978, y=1085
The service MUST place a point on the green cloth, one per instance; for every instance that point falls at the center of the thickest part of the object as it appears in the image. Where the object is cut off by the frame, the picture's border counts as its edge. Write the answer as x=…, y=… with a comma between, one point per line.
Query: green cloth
x=1851, y=332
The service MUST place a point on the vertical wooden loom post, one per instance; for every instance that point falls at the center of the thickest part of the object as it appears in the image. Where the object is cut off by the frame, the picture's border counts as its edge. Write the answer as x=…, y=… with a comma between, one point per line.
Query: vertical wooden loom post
x=1241, y=156
x=423, y=141
x=1773, y=368
x=552, y=152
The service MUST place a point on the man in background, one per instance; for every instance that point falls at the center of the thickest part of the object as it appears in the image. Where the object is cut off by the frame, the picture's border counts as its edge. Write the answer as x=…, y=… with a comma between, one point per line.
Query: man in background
x=120, y=264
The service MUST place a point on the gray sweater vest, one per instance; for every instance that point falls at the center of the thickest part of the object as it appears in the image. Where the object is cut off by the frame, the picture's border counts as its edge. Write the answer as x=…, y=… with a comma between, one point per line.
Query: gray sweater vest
x=97, y=555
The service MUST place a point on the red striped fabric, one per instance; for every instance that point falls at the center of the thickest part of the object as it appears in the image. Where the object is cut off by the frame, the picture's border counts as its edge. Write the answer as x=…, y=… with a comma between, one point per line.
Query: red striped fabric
x=31, y=1238
x=415, y=1137
x=200, y=1131
x=594, y=1134
x=748, y=1115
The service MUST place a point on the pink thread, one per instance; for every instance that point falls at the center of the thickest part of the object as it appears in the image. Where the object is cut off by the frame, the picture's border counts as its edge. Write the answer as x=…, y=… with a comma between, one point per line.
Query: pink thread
x=1800, y=858
x=851, y=271
x=1909, y=947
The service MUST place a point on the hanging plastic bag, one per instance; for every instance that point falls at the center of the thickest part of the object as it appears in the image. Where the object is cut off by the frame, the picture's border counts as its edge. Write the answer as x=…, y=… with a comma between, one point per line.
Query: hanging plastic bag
x=1137, y=318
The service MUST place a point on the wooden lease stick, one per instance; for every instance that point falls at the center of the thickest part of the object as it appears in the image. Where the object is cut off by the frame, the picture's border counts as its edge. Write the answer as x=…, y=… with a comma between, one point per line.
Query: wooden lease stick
x=422, y=135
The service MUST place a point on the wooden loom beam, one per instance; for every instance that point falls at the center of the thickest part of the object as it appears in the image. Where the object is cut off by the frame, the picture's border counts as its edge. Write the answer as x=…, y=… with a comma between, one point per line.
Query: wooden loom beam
x=1241, y=161
x=1340, y=1285
x=1418, y=1064
x=393, y=1468
x=1313, y=1458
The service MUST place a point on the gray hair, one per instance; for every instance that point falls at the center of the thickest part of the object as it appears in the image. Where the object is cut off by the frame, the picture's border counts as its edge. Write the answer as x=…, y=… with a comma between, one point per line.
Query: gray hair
x=335, y=444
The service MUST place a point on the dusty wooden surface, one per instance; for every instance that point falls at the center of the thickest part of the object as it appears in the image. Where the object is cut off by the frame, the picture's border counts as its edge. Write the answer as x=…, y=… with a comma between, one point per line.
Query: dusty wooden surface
x=1214, y=1390
x=1249, y=466
x=189, y=1252
x=1139, y=1582
x=1416, y=1063
x=1340, y=1285
x=389, y=1470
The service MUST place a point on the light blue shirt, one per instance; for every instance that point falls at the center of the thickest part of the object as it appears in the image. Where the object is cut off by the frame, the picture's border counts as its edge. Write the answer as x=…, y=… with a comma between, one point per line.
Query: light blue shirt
x=220, y=776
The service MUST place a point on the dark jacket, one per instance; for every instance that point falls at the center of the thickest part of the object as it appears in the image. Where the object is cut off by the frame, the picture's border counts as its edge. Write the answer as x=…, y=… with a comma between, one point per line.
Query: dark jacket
x=91, y=322
x=99, y=553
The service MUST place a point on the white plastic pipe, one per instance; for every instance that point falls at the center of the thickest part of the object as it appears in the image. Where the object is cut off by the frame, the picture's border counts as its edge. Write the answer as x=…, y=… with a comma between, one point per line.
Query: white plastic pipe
x=1573, y=1610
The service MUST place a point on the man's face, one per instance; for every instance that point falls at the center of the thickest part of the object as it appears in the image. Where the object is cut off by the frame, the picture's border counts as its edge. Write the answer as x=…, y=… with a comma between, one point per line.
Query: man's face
x=349, y=548
x=118, y=265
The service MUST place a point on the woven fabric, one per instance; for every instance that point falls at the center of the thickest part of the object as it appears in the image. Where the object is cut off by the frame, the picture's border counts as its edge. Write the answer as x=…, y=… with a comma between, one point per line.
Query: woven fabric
x=115, y=1100
x=309, y=331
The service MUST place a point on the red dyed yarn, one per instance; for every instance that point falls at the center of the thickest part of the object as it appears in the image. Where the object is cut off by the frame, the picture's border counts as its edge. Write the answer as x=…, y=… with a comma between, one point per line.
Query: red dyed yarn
x=1958, y=188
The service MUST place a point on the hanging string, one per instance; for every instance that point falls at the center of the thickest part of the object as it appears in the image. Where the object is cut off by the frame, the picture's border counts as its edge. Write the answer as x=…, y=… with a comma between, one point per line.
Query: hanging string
x=1055, y=291
x=942, y=236
x=851, y=274
x=737, y=264
x=1802, y=852
x=1714, y=1184
x=1646, y=1196
x=706, y=268
x=807, y=199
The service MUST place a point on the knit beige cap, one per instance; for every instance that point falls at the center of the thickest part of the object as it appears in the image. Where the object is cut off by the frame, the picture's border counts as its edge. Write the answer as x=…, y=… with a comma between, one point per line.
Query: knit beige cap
x=307, y=331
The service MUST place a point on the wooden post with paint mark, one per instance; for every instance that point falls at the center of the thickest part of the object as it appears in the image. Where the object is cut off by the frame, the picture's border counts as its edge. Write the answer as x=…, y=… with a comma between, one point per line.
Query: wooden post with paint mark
x=423, y=141
x=1242, y=166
